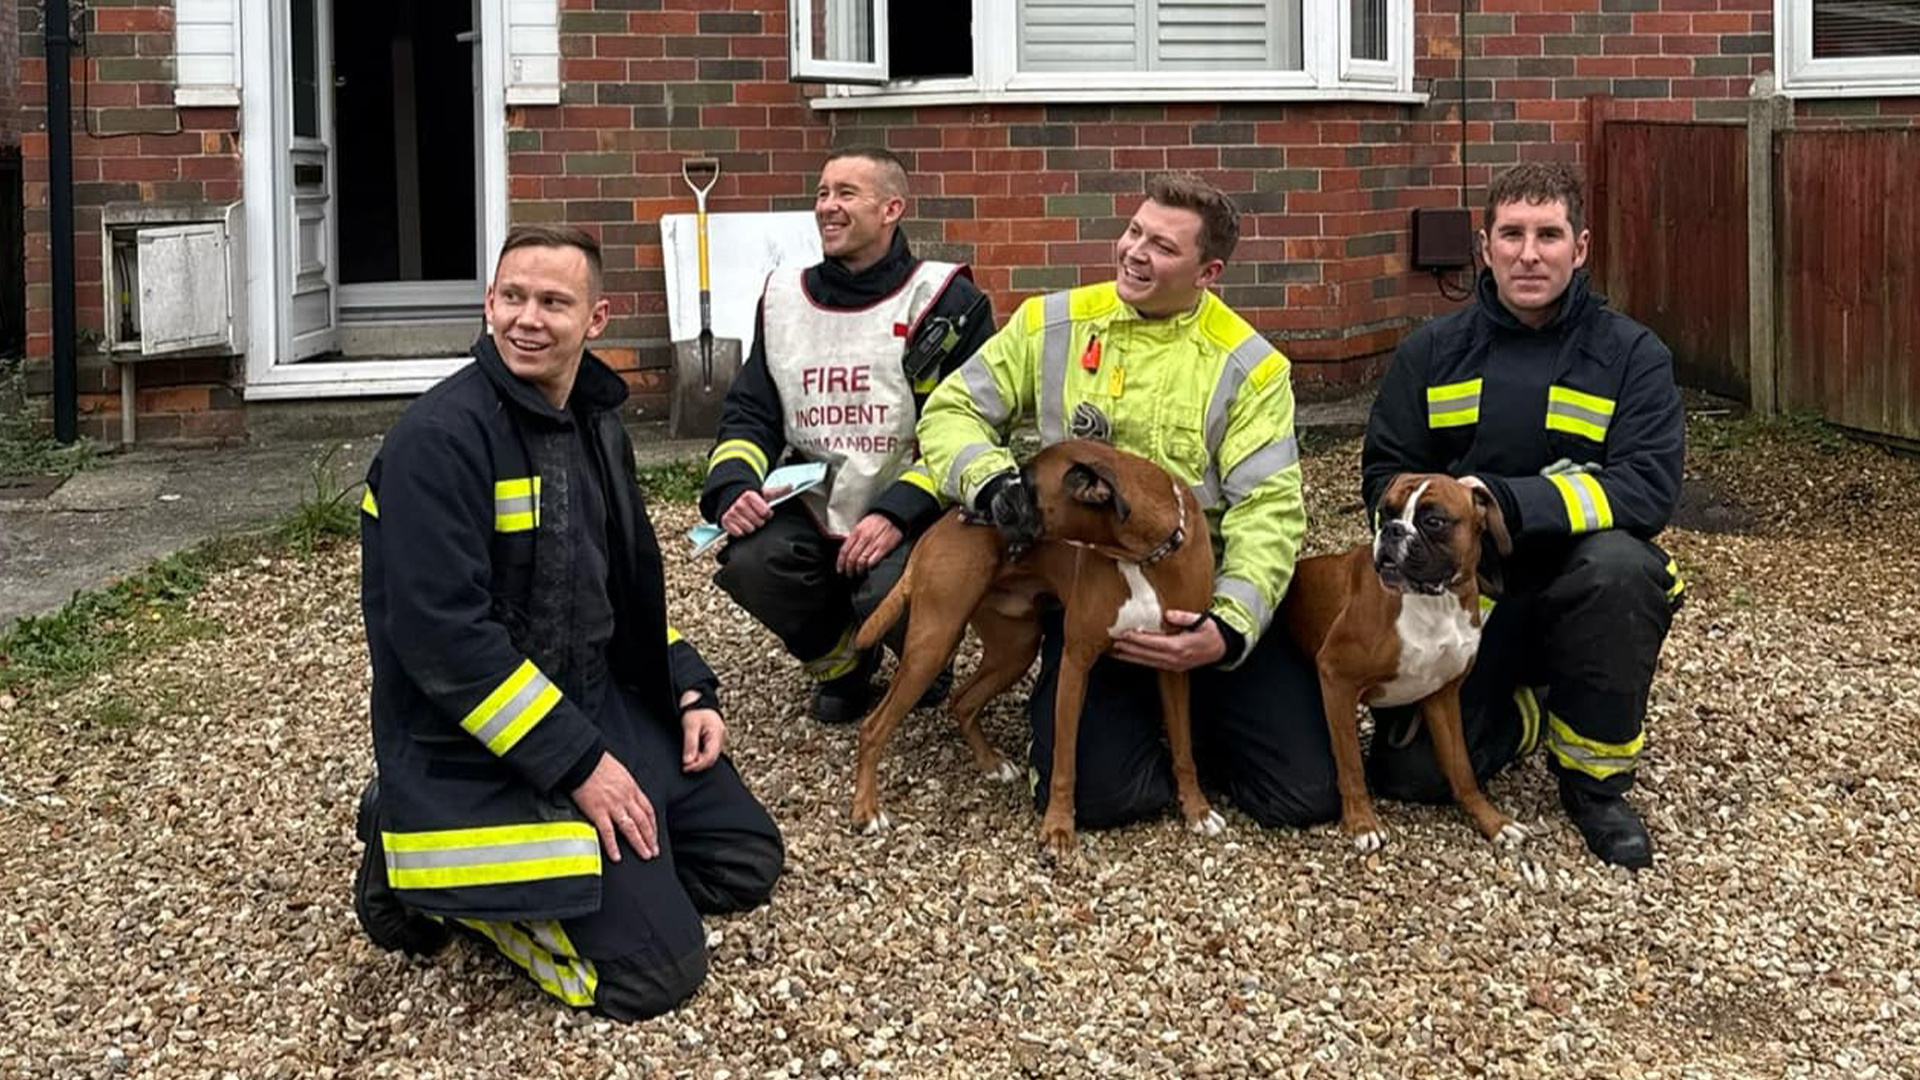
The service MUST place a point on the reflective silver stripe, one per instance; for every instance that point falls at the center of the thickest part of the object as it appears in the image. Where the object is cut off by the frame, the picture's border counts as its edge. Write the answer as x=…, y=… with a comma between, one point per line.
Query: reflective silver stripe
x=1249, y=596
x=985, y=395
x=1569, y=409
x=518, y=504
x=1589, y=514
x=1256, y=468
x=490, y=854
x=511, y=709
x=1056, y=316
x=951, y=484
x=1240, y=363
x=1207, y=491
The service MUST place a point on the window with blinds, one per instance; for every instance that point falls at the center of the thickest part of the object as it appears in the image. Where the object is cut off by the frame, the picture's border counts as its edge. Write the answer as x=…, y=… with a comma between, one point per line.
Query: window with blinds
x=1865, y=28
x=1161, y=35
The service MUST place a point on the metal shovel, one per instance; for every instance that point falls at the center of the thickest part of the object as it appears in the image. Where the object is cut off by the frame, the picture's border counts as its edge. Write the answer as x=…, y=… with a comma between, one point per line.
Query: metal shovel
x=705, y=367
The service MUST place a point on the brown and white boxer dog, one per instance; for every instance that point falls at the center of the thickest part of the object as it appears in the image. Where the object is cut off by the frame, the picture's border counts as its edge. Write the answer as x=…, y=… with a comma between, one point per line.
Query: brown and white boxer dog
x=1397, y=622
x=1120, y=542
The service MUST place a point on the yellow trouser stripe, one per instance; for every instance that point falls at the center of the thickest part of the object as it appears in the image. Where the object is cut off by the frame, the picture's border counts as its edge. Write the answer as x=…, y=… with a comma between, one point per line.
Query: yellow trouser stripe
x=542, y=949
x=521, y=700
x=743, y=450
x=491, y=855
x=842, y=658
x=1597, y=759
x=516, y=504
x=1529, y=719
x=674, y=635
x=1679, y=583
x=1453, y=404
x=368, y=505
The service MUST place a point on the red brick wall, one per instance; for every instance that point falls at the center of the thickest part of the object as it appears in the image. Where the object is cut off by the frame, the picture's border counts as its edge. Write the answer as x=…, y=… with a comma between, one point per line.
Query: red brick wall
x=1031, y=195
x=130, y=145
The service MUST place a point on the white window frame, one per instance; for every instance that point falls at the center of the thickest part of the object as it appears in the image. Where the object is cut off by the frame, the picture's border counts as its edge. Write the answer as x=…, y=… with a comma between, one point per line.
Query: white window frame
x=1855, y=76
x=1327, y=70
x=206, y=53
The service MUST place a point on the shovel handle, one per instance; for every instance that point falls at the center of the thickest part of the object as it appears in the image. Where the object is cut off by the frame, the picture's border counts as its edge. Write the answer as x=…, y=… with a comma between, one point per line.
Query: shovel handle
x=711, y=168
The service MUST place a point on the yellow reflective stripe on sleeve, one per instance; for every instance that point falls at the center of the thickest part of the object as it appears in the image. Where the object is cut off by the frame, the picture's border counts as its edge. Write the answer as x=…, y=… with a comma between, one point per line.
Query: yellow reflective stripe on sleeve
x=1597, y=759
x=1585, y=500
x=516, y=504
x=742, y=450
x=570, y=978
x=674, y=635
x=1453, y=404
x=921, y=477
x=521, y=700
x=1585, y=415
x=491, y=855
x=368, y=505
x=1056, y=337
x=1679, y=583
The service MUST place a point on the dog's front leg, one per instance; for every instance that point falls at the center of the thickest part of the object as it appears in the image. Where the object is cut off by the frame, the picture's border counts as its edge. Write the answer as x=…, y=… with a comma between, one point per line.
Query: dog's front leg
x=1056, y=825
x=1176, y=708
x=1341, y=700
x=1441, y=713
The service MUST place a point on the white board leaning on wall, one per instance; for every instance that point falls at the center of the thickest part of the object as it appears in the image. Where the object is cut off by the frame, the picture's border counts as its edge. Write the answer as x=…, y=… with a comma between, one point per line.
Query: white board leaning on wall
x=742, y=249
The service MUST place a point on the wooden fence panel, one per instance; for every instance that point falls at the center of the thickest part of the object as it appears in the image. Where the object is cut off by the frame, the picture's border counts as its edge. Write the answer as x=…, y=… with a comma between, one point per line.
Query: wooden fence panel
x=1848, y=229
x=1674, y=224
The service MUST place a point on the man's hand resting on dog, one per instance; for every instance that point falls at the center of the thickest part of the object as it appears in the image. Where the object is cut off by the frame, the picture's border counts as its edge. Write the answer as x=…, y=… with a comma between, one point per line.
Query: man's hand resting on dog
x=750, y=510
x=617, y=807
x=1198, y=645
x=872, y=538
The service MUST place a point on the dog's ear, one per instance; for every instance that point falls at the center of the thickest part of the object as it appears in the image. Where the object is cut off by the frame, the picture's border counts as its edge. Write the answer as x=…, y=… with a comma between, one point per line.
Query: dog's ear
x=1094, y=486
x=1492, y=521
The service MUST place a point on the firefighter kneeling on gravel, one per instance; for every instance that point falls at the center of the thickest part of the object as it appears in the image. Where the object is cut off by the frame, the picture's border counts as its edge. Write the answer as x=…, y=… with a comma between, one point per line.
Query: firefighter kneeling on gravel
x=1565, y=410
x=550, y=769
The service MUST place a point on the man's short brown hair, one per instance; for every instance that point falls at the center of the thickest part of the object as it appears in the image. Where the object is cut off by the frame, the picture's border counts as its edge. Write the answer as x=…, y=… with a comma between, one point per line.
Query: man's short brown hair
x=1219, y=218
x=1539, y=182
x=887, y=166
x=557, y=236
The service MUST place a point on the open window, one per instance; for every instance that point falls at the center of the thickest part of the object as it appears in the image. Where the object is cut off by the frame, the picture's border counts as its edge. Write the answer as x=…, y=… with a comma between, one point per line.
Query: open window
x=1841, y=48
x=1105, y=50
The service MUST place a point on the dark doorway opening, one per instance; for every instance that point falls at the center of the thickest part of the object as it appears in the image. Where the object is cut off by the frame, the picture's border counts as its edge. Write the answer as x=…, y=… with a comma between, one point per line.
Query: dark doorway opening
x=403, y=131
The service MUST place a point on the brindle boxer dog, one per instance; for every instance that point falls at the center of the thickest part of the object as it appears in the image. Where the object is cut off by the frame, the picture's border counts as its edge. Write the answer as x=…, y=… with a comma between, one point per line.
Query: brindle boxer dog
x=1397, y=622
x=1120, y=542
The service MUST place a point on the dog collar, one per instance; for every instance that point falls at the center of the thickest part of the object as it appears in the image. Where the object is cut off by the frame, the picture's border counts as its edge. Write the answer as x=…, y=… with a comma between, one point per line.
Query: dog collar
x=1165, y=548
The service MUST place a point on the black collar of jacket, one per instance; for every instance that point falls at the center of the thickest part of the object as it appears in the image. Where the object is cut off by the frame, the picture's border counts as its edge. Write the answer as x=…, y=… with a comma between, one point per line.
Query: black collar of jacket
x=595, y=389
x=833, y=285
x=1574, y=304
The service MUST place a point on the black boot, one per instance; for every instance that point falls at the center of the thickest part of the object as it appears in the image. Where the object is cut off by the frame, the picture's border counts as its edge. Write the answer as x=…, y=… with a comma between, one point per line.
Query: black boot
x=1612, y=829
x=845, y=699
x=387, y=922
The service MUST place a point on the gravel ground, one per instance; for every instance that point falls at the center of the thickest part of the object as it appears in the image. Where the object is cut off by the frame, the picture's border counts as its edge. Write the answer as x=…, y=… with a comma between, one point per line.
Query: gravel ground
x=179, y=850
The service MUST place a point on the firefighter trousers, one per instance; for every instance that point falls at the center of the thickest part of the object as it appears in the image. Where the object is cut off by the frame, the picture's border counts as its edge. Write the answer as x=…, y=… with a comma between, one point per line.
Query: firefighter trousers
x=644, y=951
x=1566, y=660
x=783, y=574
x=1259, y=734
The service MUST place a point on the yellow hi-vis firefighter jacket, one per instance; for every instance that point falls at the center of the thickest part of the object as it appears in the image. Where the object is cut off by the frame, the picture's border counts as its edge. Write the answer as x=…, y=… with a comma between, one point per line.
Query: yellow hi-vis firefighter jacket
x=1203, y=394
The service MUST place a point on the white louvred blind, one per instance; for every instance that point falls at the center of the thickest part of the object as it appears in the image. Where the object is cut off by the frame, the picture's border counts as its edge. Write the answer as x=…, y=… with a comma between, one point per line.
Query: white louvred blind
x=1863, y=28
x=1214, y=34
x=206, y=65
x=533, y=52
x=1082, y=35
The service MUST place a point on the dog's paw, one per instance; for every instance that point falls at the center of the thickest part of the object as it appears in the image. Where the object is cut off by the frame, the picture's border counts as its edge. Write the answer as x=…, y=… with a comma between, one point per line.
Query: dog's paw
x=1512, y=834
x=1212, y=824
x=1370, y=841
x=1003, y=773
x=1534, y=875
x=877, y=825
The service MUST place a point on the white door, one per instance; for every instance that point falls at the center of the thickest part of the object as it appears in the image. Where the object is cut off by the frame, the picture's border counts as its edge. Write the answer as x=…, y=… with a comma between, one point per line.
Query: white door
x=309, y=317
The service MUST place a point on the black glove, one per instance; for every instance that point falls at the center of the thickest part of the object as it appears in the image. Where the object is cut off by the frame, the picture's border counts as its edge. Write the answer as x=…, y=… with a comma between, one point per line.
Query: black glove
x=1008, y=502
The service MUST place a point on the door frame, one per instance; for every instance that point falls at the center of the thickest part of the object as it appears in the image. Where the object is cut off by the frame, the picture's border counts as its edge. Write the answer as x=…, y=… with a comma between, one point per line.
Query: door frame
x=263, y=62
